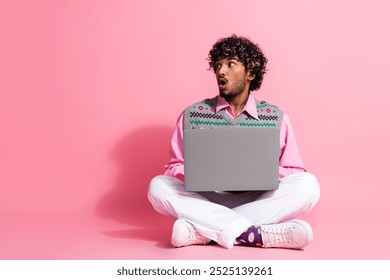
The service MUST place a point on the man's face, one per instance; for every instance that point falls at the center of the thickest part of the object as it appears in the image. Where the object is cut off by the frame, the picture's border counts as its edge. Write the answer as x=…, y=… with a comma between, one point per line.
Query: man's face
x=232, y=77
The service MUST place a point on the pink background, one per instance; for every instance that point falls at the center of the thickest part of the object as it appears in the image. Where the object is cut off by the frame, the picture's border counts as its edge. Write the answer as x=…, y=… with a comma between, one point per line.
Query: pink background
x=90, y=92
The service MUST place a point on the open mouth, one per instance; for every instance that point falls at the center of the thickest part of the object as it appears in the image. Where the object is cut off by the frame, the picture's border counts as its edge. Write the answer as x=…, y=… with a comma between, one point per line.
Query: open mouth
x=222, y=82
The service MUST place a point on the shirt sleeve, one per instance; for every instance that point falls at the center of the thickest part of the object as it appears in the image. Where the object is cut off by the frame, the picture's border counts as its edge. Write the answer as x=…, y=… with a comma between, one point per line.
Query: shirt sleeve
x=175, y=166
x=290, y=161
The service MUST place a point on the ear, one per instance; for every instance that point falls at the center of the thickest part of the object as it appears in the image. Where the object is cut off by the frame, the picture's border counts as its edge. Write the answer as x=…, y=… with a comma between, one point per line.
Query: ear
x=251, y=76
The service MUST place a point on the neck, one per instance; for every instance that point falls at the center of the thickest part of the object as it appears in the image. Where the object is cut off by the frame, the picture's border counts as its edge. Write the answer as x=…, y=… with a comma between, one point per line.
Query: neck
x=237, y=103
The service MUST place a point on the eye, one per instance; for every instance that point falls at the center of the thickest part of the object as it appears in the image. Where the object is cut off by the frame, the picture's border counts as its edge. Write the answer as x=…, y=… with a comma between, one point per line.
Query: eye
x=231, y=63
x=217, y=66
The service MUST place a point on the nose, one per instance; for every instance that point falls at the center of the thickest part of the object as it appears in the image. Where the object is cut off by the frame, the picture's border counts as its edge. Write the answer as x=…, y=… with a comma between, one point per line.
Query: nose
x=221, y=71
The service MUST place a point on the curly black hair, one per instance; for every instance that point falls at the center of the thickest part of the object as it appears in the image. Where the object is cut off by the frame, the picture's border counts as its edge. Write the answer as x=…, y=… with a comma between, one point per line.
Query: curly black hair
x=248, y=52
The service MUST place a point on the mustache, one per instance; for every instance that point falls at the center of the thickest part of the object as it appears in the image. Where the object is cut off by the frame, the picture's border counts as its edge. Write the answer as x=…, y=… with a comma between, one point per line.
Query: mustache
x=222, y=80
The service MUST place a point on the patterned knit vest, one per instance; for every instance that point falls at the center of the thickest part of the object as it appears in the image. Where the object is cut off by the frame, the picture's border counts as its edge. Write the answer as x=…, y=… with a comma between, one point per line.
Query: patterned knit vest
x=202, y=115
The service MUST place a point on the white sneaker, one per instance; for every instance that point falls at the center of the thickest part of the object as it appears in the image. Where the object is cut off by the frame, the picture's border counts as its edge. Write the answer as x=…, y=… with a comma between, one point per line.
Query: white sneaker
x=184, y=234
x=294, y=234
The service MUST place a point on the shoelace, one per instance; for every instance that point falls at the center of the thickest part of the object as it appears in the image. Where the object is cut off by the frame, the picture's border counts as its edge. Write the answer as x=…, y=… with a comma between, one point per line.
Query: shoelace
x=280, y=235
x=194, y=236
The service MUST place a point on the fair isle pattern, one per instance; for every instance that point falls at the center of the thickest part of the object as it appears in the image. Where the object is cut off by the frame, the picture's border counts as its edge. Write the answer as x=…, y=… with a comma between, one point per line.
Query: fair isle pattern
x=257, y=124
x=203, y=115
x=208, y=123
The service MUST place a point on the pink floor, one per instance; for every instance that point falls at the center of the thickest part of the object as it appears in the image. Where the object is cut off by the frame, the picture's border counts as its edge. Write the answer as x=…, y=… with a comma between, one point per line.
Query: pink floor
x=84, y=236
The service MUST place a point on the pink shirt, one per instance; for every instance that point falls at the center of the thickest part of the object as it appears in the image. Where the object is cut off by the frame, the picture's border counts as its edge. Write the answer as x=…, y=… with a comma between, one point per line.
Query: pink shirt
x=289, y=162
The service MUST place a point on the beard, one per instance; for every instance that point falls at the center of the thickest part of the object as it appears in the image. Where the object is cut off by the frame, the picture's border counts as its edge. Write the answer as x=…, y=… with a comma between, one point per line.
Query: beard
x=231, y=91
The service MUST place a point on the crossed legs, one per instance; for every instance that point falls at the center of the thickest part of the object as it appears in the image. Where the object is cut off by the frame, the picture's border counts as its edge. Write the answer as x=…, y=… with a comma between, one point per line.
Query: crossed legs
x=223, y=217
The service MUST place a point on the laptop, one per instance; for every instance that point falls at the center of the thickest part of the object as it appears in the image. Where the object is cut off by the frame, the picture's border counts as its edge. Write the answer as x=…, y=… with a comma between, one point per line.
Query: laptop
x=231, y=159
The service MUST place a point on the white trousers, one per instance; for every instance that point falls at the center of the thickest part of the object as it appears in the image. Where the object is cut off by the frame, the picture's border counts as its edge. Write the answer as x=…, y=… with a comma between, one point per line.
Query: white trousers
x=222, y=217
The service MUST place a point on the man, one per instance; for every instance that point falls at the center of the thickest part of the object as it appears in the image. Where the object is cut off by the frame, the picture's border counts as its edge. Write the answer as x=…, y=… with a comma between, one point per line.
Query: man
x=263, y=219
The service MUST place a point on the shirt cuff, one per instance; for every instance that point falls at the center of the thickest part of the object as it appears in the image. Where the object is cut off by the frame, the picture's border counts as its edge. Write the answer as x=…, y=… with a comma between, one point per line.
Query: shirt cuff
x=176, y=171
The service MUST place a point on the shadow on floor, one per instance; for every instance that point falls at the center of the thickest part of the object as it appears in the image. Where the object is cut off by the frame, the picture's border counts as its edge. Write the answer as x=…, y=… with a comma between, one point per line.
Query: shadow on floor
x=140, y=155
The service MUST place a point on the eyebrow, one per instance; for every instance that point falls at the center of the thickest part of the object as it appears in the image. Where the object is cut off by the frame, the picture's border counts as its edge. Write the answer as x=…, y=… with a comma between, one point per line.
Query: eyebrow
x=228, y=58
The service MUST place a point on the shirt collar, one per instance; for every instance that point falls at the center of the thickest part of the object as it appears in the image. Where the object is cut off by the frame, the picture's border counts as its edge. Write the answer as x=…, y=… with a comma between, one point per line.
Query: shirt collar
x=250, y=106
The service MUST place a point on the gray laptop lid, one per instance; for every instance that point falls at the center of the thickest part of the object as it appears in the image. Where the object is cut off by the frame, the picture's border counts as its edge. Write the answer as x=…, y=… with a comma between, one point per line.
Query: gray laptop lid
x=231, y=159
